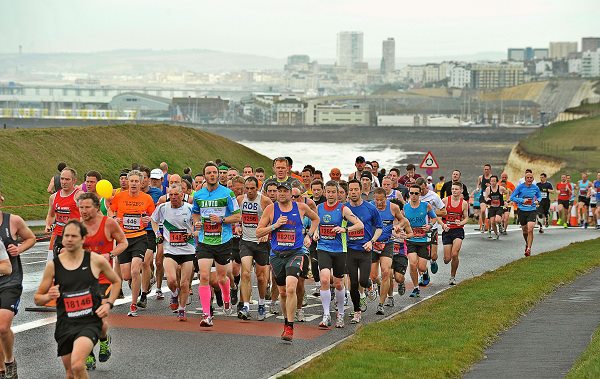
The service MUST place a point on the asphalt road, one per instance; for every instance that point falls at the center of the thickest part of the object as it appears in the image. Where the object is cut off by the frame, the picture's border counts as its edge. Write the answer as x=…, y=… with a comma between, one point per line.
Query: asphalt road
x=156, y=345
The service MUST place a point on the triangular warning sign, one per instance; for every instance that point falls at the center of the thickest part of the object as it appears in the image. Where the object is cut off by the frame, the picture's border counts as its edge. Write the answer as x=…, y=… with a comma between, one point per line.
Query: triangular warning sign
x=429, y=162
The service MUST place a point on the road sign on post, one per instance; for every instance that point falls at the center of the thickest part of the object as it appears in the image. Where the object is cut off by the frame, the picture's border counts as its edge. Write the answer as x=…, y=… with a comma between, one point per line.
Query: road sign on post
x=429, y=162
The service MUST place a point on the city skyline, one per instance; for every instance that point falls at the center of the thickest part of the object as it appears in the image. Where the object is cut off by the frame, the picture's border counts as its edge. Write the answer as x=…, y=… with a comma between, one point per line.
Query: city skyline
x=272, y=29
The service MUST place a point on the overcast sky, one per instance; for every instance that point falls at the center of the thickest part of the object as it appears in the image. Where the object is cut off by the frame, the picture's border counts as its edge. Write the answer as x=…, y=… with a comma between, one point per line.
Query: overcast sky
x=278, y=28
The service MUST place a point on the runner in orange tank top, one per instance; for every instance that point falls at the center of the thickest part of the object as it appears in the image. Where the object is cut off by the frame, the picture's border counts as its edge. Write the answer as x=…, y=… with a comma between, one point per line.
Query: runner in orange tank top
x=453, y=225
x=103, y=232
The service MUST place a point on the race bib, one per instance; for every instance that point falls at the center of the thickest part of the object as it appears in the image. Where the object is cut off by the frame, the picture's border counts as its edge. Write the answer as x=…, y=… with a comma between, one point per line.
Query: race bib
x=495, y=203
x=527, y=201
x=419, y=231
x=453, y=218
x=78, y=304
x=62, y=216
x=356, y=234
x=250, y=219
x=544, y=195
x=378, y=247
x=583, y=192
x=212, y=229
x=326, y=232
x=285, y=237
x=178, y=237
x=398, y=248
x=132, y=221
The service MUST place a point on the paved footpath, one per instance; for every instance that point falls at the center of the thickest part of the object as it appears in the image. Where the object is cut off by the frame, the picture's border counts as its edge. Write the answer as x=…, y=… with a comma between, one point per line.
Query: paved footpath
x=156, y=345
x=548, y=340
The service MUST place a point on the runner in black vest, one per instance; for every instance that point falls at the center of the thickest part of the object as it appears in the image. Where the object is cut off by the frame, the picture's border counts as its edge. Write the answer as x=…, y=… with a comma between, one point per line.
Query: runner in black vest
x=79, y=307
x=12, y=228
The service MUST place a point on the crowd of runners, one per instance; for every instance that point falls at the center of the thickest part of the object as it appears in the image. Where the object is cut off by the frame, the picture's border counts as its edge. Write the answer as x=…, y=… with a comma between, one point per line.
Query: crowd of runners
x=355, y=237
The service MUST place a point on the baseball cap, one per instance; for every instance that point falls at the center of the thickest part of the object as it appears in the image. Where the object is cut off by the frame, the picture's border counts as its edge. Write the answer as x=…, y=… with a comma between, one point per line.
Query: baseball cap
x=360, y=159
x=429, y=178
x=156, y=174
x=366, y=174
x=285, y=185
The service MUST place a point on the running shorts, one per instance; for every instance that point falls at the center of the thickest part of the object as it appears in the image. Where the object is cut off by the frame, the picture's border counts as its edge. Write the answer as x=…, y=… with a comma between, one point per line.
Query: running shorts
x=288, y=263
x=330, y=260
x=258, y=251
x=452, y=234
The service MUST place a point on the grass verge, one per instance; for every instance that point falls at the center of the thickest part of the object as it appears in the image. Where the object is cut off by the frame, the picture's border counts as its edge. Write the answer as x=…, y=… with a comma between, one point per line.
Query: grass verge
x=568, y=141
x=588, y=364
x=444, y=336
x=29, y=156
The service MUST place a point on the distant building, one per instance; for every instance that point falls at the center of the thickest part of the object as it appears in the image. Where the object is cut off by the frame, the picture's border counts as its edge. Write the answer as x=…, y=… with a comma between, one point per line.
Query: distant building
x=289, y=111
x=334, y=114
x=146, y=105
x=526, y=54
x=559, y=50
x=388, y=56
x=349, y=49
x=590, y=64
x=496, y=75
x=199, y=109
x=297, y=62
x=590, y=44
x=460, y=77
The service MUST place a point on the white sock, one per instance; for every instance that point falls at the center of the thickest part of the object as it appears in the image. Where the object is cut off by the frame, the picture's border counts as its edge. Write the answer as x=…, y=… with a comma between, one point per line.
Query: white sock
x=325, y=301
x=247, y=304
x=261, y=301
x=176, y=292
x=340, y=298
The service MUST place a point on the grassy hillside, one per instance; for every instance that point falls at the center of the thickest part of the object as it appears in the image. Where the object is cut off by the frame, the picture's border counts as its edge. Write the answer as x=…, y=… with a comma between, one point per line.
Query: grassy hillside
x=527, y=91
x=575, y=142
x=29, y=157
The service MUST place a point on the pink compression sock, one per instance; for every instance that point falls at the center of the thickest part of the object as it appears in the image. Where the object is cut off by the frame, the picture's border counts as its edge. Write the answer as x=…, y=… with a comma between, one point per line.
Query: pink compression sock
x=204, y=292
x=225, y=291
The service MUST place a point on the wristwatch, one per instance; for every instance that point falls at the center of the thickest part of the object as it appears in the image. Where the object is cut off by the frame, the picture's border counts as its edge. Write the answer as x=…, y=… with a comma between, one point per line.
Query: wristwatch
x=111, y=305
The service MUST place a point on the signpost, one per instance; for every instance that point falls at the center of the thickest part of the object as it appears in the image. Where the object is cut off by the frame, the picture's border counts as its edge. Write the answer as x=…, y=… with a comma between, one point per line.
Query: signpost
x=429, y=163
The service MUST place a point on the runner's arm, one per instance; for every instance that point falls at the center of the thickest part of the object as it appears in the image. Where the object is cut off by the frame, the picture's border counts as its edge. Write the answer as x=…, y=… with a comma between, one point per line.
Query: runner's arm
x=46, y=291
x=26, y=235
x=314, y=218
x=115, y=281
x=5, y=265
x=118, y=236
x=356, y=223
x=51, y=214
x=465, y=218
x=50, y=188
x=263, y=227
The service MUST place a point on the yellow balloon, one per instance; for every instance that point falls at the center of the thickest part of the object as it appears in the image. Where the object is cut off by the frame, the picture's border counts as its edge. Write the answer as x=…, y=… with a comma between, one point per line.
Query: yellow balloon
x=104, y=188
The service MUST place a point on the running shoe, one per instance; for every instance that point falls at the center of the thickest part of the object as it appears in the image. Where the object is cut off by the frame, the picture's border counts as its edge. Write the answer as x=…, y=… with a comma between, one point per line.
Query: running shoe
x=300, y=315
x=356, y=318
x=90, y=363
x=434, y=267
x=415, y=293
x=372, y=293
x=565, y=225
x=244, y=313
x=104, y=352
x=527, y=251
x=227, y=308
x=219, y=298
x=325, y=322
x=559, y=222
x=240, y=305
x=317, y=291
x=11, y=369
x=363, y=303
x=288, y=333
x=401, y=289
x=541, y=230
x=425, y=279
x=585, y=225
x=380, y=310
x=262, y=311
x=496, y=236
x=133, y=311
x=142, y=303
x=233, y=293
x=181, y=316
x=339, y=321
x=490, y=234
x=389, y=302
x=174, y=302
x=159, y=294
x=274, y=307
x=452, y=281
x=206, y=321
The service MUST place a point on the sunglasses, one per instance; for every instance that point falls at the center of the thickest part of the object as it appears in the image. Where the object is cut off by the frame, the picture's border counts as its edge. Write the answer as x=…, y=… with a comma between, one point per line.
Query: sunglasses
x=415, y=193
x=295, y=196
